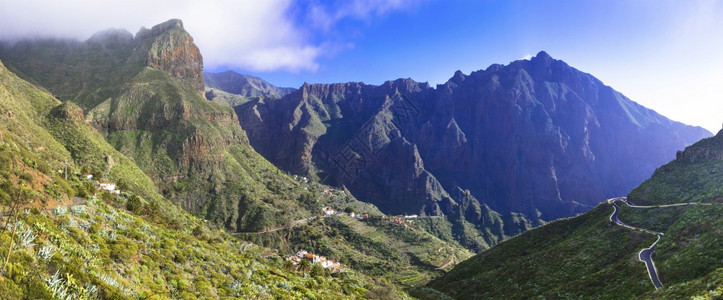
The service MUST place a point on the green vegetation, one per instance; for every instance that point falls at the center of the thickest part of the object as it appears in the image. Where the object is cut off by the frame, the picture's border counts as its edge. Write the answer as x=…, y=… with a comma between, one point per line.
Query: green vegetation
x=227, y=99
x=689, y=256
x=695, y=176
x=152, y=112
x=96, y=250
x=583, y=256
x=134, y=245
x=590, y=256
x=404, y=255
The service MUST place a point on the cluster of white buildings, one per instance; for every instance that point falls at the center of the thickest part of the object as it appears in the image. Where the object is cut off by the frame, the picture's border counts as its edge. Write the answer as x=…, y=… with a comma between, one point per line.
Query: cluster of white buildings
x=301, y=178
x=359, y=216
x=328, y=264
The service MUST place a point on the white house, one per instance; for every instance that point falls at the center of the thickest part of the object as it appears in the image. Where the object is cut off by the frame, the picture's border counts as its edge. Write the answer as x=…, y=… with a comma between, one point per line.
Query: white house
x=109, y=186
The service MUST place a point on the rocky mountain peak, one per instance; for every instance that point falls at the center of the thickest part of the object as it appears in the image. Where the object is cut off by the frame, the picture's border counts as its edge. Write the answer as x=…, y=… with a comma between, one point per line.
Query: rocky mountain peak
x=458, y=77
x=170, y=48
x=159, y=29
x=542, y=55
x=405, y=85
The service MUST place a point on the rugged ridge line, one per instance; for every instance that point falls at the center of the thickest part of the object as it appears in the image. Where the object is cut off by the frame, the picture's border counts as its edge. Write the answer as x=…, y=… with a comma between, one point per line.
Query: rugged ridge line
x=536, y=137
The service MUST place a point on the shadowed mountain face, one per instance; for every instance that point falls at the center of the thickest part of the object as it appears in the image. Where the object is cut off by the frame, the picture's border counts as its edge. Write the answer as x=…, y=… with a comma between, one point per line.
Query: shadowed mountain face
x=244, y=85
x=536, y=137
x=590, y=256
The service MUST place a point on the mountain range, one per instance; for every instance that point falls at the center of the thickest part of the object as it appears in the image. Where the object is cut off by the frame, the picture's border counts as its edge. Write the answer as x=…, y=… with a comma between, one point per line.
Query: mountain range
x=465, y=165
x=537, y=138
x=64, y=238
x=134, y=114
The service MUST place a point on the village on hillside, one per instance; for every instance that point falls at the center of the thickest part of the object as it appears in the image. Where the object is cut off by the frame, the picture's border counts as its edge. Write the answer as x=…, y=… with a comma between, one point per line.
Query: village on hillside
x=325, y=263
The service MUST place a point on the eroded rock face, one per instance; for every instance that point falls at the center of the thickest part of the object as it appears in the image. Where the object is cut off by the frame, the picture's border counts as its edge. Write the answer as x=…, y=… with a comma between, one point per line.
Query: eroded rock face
x=536, y=137
x=172, y=50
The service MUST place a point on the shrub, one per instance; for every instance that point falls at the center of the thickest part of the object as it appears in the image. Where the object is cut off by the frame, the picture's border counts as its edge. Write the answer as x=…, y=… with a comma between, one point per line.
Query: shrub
x=134, y=204
x=123, y=249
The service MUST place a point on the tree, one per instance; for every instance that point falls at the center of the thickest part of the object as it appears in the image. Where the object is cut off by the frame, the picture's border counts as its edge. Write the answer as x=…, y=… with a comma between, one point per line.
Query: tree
x=317, y=270
x=20, y=197
x=304, y=265
x=288, y=265
x=134, y=204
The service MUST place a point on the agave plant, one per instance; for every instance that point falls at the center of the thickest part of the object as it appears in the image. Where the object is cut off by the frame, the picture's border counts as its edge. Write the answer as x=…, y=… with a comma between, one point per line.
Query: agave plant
x=57, y=286
x=46, y=252
x=60, y=210
x=91, y=289
x=84, y=224
x=110, y=281
x=72, y=223
x=26, y=236
x=109, y=217
x=77, y=210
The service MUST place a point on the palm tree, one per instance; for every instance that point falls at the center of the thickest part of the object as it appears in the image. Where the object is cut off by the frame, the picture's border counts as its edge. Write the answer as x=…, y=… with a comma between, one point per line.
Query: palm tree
x=304, y=265
x=289, y=265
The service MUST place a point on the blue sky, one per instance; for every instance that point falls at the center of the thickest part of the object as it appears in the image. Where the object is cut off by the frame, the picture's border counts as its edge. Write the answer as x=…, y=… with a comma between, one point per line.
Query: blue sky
x=664, y=54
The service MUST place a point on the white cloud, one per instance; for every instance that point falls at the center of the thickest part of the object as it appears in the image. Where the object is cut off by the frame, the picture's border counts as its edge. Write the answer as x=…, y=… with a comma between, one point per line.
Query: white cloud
x=527, y=56
x=244, y=34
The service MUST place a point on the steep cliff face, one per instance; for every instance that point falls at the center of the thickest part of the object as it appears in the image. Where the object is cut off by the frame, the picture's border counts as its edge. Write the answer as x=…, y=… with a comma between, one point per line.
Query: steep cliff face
x=171, y=49
x=145, y=94
x=536, y=137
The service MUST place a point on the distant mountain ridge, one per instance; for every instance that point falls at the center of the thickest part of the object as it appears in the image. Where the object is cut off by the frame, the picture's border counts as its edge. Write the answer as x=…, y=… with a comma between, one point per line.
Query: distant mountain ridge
x=536, y=137
x=244, y=85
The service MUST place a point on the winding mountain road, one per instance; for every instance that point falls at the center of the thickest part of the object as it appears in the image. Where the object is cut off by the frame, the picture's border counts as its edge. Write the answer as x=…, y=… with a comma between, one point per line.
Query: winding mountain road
x=645, y=255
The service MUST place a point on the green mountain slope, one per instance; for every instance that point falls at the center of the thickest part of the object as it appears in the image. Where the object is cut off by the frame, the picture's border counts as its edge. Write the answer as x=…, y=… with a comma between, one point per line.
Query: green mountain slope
x=145, y=95
x=395, y=248
x=134, y=245
x=192, y=150
x=590, y=256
